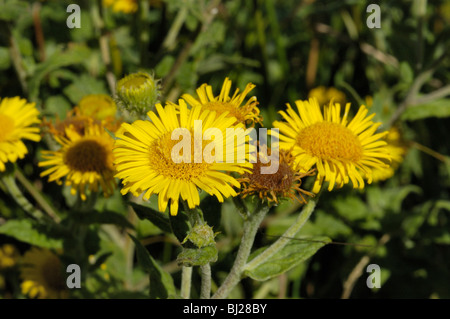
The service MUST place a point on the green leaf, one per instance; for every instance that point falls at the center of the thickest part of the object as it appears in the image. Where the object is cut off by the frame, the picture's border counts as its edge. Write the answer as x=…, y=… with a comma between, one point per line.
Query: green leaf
x=29, y=232
x=190, y=257
x=12, y=10
x=438, y=108
x=73, y=56
x=82, y=86
x=157, y=218
x=180, y=225
x=211, y=208
x=291, y=255
x=105, y=217
x=161, y=283
x=5, y=60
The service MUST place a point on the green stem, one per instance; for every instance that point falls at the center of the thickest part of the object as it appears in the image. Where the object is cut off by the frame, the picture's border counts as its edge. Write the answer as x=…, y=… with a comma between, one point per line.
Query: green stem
x=251, y=226
x=20, y=199
x=285, y=238
x=205, y=291
x=170, y=40
x=186, y=278
x=36, y=195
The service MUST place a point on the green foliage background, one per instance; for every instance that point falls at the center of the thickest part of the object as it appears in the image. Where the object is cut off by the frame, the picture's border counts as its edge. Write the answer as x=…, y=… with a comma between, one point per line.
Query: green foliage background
x=286, y=48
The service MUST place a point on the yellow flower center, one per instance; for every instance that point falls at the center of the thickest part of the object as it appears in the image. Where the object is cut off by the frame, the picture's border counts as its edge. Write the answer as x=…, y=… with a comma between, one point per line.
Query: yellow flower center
x=7, y=126
x=161, y=159
x=221, y=107
x=134, y=82
x=328, y=140
x=88, y=155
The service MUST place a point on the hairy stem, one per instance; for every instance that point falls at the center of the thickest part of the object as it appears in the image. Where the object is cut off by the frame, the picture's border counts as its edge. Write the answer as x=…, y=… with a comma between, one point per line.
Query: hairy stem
x=251, y=226
x=285, y=238
x=205, y=291
x=186, y=277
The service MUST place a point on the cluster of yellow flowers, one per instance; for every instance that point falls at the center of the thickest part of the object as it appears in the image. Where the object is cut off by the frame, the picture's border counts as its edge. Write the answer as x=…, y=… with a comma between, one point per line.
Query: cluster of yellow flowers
x=95, y=147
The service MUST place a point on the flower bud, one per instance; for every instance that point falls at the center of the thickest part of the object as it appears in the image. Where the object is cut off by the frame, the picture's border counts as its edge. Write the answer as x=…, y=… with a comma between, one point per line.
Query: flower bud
x=137, y=93
x=201, y=236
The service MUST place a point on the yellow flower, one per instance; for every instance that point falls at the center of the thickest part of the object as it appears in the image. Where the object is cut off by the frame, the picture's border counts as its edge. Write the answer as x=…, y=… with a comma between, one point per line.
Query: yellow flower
x=340, y=149
x=125, y=6
x=326, y=94
x=98, y=106
x=16, y=121
x=42, y=275
x=84, y=160
x=285, y=182
x=247, y=114
x=397, y=148
x=8, y=256
x=147, y=161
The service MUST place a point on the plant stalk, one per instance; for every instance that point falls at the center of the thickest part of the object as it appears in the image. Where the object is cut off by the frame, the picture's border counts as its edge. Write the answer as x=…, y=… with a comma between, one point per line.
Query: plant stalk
x=205, y=291
x=285, y=238
x=186, y=277
x=251, y=226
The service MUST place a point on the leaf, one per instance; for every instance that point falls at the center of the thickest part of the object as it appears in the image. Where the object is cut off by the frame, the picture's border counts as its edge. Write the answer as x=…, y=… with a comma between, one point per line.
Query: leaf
x=180, y=225
x=105, y=217
x=291, y=255
x=28, y=232
x=211, y=208
x=161, y=283
x=73, y=56
x=438, y=108
x=82, y=86
x=12, y=10
x=157, y=218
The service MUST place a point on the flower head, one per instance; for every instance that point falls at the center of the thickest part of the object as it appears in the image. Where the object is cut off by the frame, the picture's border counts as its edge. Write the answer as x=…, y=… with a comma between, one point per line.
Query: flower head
x=93, y=108
x=17, y=119
x=397, y=148
x=125, y=6
x=8, y=256
x=247, y=114
x=147, y=156
x=285, y=182
x=97, y=106
x=340, y=149
x=42, y=275
x=84, y=160
x=137, y=93
x=325, y=95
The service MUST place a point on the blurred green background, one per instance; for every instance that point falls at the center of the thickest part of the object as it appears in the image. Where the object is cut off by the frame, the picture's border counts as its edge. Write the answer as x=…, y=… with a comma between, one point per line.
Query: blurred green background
x=286, y=48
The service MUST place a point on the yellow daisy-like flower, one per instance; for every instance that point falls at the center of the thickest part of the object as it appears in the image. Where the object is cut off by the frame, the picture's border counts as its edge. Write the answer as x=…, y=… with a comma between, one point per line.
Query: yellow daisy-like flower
x=247, y=114
x=98, y=106
x=326, y=94
x=8, y=256
x=397, y=148
x=125, y=6
x=147, y=157
x=84, y=160
x=17, y=118
x=42, y=275
x=340, y=149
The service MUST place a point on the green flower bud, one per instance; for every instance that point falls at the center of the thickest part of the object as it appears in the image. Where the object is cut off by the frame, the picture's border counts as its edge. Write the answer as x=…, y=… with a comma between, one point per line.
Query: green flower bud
x=201, y=236
x=137, y=93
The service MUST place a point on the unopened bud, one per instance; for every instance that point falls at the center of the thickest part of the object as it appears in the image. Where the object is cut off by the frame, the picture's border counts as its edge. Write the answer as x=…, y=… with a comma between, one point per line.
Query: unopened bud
x=201, y=236
x=137, y=93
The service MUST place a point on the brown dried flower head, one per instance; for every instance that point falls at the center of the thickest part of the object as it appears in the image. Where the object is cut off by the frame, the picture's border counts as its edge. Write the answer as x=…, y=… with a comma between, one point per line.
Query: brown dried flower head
x=284, y=183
